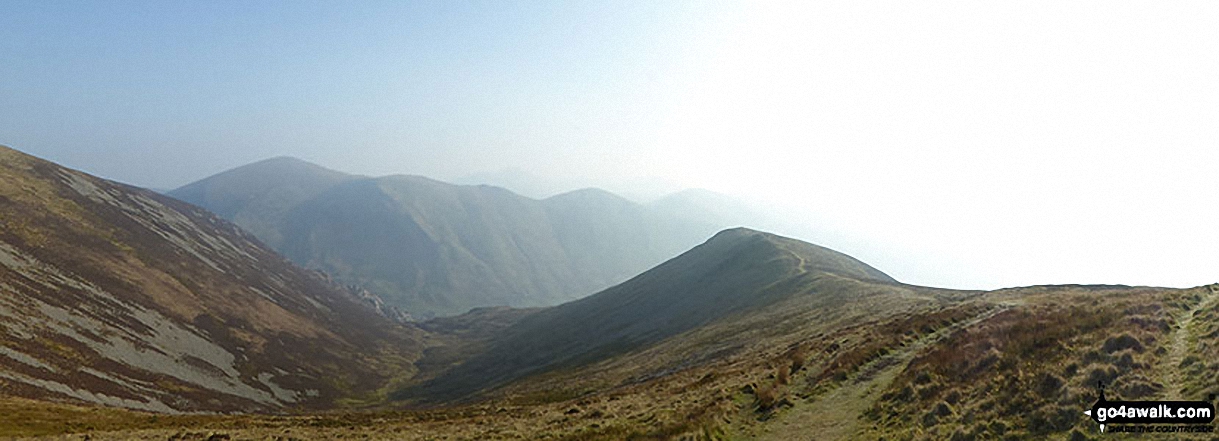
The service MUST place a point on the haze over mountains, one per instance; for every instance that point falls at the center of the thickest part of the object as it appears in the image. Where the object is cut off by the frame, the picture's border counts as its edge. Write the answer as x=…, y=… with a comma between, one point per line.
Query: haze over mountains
x=432, y=248
x=637, y=189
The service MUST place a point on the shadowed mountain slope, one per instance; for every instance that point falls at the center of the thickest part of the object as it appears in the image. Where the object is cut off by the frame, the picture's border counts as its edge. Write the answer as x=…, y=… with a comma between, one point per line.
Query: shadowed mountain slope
x=736, y=272
x=120, y=296
x=433, y=248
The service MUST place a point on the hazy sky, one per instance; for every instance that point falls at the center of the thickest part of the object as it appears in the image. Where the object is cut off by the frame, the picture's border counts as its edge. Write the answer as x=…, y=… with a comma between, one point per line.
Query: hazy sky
x=960, y=144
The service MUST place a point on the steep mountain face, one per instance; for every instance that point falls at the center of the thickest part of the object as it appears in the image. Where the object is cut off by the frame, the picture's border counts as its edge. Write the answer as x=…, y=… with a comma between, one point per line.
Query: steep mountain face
x=120, y=296
x=433, y=248
x=736, y=272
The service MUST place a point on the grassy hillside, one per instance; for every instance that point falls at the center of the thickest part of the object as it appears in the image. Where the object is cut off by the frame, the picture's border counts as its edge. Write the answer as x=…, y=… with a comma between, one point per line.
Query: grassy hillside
x=120, y=296
x=736, y=272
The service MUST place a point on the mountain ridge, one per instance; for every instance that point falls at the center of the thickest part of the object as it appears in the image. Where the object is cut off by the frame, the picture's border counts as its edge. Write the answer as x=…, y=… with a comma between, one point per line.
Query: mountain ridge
x=434, y=248
x=735, y=271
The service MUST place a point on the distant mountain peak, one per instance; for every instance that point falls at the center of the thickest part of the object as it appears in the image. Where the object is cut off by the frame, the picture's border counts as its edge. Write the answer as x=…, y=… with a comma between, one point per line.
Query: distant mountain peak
x=591, y=195
x=589, y=191
x=283, y=163
x=271, y=186
x=285, y=159
x=735, y=232
x=697, y=193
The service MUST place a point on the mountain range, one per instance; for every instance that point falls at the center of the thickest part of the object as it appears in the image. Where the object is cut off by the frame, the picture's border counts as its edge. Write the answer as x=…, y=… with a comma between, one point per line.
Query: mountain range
x=433, y=248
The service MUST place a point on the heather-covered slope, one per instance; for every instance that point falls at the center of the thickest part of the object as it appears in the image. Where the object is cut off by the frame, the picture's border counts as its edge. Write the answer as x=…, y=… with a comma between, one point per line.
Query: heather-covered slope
x=117, y=295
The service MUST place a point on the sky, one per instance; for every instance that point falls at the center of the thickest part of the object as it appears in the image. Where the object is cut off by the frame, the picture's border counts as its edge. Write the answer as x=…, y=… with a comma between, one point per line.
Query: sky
x=953, y=144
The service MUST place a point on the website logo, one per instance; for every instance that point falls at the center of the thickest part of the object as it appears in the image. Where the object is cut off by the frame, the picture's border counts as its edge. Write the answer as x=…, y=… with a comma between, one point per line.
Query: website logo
x=1153, y=416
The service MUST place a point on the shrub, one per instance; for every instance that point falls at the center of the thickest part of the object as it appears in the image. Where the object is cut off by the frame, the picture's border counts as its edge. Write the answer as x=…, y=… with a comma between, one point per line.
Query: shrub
x=1138, y=389
x=798, y=356
x=1125, y=362
x=998, y=427
x=767, y=396
x=1076, y=435
x=1071, y=369
x=961, y=435
x=1049, y=384
x=930, y=419
x=1104, y=374
x=953, y=397
x=784, y=375
x=942, y=409
x=1124, y=341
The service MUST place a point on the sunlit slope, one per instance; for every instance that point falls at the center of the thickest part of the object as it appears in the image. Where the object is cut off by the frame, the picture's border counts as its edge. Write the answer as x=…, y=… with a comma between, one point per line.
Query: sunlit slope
x=120, y=296
x=434, y=248
x=736, y=272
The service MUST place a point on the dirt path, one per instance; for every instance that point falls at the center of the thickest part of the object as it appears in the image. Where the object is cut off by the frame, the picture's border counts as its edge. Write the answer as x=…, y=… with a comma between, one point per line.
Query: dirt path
x=803, y=267
x=1179, y=347
x=835, y=413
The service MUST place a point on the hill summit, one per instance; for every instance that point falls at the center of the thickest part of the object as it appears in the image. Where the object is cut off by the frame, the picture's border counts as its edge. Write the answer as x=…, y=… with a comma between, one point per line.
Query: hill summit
x=735, y=272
